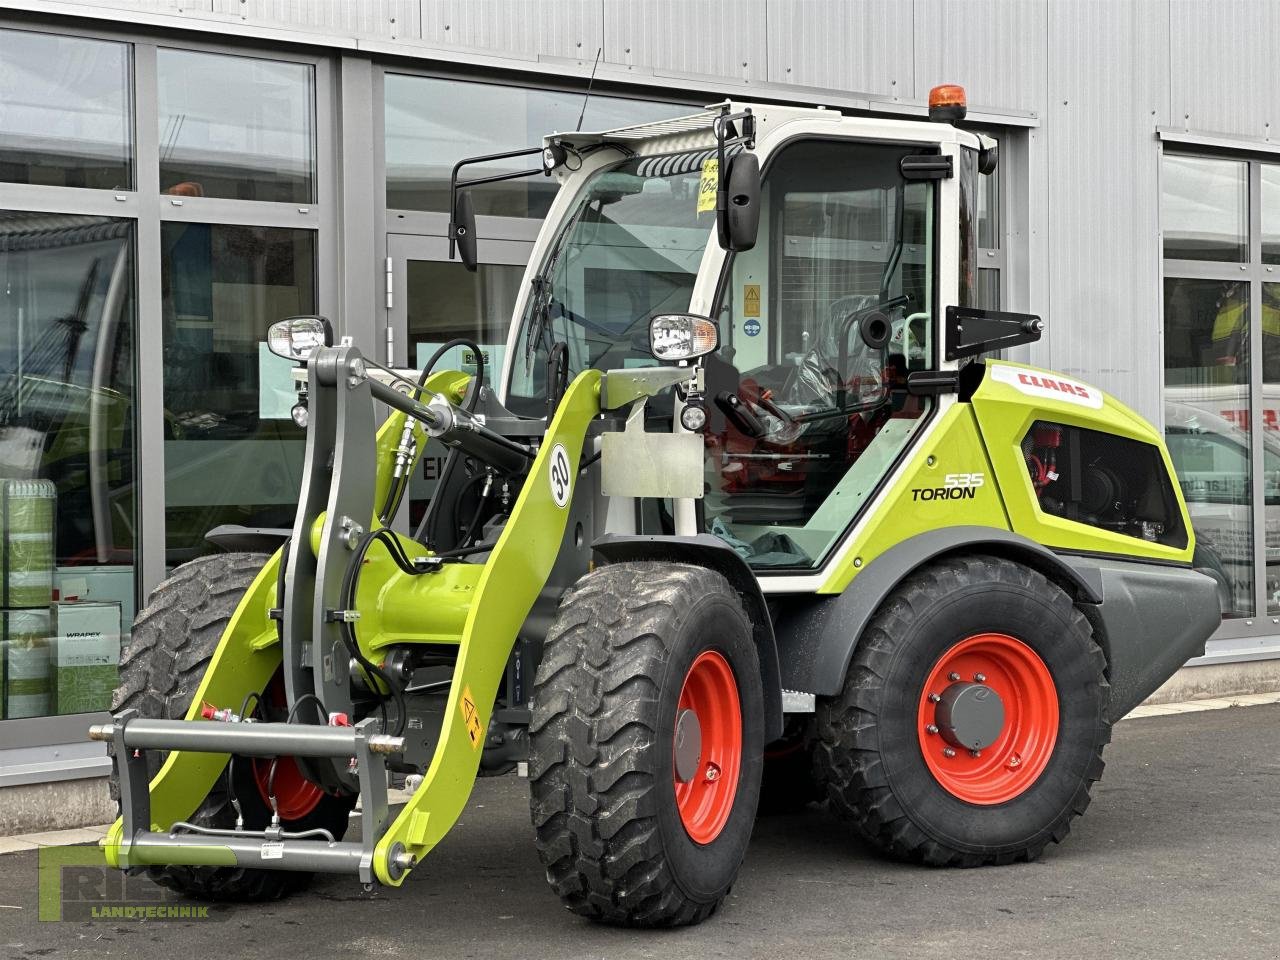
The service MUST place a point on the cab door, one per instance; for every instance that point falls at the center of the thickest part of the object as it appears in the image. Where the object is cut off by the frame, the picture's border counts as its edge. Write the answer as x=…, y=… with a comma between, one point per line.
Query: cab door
x=820, y=322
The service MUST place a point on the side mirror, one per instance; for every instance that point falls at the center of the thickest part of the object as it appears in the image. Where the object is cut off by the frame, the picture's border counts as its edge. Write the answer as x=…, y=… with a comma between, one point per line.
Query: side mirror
x=462, y=231
x=739, y=222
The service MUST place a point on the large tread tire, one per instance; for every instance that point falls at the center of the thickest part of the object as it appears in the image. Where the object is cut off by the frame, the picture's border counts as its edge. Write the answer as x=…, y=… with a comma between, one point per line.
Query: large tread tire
x=602, y=781
x=174, y=637
x=869, y=754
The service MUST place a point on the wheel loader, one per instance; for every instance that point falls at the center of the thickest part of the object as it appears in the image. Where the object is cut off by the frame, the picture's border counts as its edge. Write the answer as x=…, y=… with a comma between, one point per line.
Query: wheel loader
x=750, y=506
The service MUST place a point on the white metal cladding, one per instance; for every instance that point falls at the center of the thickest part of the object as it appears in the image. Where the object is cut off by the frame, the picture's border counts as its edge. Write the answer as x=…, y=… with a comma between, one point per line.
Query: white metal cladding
x=391, y=19
x=864, y=46
x=1103, y=303
x=722, y=38
x=995, y=48
x=558, y=28
x=1222, y=77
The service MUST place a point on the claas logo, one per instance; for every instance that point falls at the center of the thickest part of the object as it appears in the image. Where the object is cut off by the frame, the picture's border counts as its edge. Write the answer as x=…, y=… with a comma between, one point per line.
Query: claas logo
x=1049, y=383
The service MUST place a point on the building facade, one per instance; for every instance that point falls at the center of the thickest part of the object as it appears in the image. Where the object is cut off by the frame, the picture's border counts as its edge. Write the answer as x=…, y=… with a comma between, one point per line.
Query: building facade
x=177, y=174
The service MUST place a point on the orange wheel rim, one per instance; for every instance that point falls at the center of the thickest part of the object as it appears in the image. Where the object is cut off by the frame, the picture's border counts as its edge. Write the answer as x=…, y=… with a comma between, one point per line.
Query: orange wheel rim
x=988, y=719
x=296, y=796
x=707, y=755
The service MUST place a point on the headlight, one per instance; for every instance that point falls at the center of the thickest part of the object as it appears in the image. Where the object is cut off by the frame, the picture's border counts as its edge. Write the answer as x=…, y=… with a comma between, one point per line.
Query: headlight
x=682, y=336
x=296, y=338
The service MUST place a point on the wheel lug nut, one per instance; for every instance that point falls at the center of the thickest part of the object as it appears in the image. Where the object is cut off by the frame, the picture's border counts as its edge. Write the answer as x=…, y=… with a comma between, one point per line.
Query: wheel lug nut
x=975, y=753
x=979, y=678
x=931, y=728
x=948, y=752
x=713, y=773
x=934, y=698
x=953, y=676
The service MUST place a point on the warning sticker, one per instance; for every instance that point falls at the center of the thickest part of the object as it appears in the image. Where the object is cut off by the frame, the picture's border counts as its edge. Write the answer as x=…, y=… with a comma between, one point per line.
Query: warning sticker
x=751, y=300
x=471, y=718
x=707, y=185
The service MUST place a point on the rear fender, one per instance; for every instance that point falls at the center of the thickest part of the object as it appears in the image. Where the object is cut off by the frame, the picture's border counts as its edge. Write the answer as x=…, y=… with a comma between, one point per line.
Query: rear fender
x=816, y=636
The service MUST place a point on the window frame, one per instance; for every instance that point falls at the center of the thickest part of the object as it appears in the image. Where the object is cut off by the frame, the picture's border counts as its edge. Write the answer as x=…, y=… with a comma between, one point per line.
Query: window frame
x=1240, y=638
x=148, y=208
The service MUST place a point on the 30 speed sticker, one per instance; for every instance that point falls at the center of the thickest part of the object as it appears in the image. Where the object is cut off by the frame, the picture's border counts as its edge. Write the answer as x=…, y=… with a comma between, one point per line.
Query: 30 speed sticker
x=560, y=476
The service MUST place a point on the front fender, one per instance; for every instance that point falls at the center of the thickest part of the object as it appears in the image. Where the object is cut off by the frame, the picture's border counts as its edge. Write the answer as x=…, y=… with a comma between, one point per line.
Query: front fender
x=704, y=550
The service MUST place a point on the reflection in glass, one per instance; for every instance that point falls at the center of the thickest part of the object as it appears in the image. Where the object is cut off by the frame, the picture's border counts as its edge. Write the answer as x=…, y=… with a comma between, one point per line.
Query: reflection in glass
x=67, y=495
x=988, y=289
x=64, y=110
x=1204, y=208
x=1208, y=426
x=236, y=127
x=444, y=301
x=1270, y=212
x=431, y=124
x=1269, y=423
x=232, y=453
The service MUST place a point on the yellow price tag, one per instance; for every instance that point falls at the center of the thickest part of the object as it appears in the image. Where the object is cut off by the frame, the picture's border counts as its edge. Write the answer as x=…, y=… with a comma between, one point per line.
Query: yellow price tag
x=707, y=185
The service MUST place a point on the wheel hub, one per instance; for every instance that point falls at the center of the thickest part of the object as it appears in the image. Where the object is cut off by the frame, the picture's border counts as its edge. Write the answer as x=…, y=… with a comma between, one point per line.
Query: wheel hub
x=988, y=718
x=688, y=746
x=969, y=715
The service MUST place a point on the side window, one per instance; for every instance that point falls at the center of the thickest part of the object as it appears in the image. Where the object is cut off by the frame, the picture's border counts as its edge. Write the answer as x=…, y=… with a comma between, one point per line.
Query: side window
x=820, y=321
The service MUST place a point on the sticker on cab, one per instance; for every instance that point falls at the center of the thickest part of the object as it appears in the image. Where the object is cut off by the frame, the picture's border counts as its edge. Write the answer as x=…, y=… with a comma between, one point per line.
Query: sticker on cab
x=708, y=184
x=1048, y=386
x=559, y=476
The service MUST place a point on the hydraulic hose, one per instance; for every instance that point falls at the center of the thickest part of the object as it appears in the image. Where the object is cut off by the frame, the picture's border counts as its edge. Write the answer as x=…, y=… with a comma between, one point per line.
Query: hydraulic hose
x=398, y=486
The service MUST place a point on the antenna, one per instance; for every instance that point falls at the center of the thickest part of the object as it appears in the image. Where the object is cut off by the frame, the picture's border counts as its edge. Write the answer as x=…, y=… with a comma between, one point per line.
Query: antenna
x=578, y=128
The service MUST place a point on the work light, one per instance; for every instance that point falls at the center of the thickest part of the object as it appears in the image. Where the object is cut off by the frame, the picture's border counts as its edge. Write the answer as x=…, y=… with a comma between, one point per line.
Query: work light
x=296, y=338
x=681, y=336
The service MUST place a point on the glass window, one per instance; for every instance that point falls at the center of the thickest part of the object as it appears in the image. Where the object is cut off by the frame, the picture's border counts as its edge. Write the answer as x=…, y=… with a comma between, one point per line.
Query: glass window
x=1204, y=210
x=1208, y=423
x=630, y=249
x=232, y=454
x=64, y=111
x=1270, y=212
x=67, y=329
x=432, y=123
x=845, y=241
x=236, y=127
x=445, y=301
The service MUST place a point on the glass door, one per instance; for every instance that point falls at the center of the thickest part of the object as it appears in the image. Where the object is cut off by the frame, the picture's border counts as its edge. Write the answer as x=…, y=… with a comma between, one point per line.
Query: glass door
x=433, y=300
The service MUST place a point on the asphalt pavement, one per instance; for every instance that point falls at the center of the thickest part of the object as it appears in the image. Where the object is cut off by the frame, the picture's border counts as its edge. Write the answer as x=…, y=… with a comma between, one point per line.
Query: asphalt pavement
x=1178, y=857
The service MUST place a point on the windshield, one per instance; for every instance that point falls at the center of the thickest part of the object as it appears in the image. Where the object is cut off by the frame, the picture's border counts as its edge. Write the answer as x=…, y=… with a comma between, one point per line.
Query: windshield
x=630, y=248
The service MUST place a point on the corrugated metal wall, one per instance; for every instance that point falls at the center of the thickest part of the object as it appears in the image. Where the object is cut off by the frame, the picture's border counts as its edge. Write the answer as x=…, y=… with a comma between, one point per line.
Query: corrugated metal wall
x=1100, y=75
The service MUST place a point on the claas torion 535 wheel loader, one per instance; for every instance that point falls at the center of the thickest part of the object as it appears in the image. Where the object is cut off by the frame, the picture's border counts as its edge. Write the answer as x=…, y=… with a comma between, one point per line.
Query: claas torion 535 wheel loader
x=745, y=505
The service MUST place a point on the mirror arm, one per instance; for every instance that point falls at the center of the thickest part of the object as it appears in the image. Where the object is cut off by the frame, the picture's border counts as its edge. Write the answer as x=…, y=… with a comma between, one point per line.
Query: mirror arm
x=455, y=185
